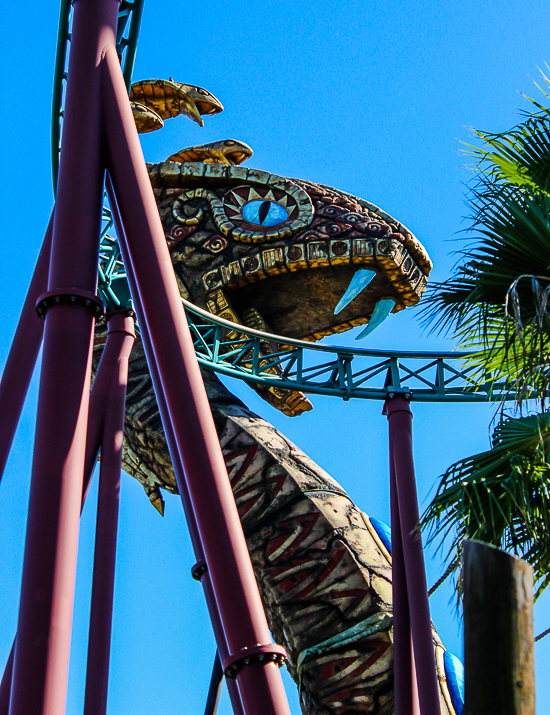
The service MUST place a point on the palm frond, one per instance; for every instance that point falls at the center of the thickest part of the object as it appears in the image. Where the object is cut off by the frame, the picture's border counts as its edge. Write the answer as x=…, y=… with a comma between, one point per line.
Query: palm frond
x=496, y=302
x=501, y=496
x=520, y=156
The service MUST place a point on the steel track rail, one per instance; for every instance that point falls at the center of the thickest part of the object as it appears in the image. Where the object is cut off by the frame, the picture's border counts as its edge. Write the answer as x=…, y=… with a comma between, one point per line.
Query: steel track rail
x=348, y=373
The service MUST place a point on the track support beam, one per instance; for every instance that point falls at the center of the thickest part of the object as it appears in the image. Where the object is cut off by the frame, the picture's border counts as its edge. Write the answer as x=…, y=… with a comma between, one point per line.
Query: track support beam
x=417, y=687
x=23, y=354
x=114, y=362
x=45, y=616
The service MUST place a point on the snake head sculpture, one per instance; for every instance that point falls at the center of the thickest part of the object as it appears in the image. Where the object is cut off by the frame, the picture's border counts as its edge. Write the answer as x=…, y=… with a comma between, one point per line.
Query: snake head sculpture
x=282, y=255
x=154, y=100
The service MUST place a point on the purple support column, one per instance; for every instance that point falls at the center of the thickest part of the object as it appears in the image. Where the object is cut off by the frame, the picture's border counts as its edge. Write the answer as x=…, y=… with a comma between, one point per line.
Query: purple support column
x=115, y=358
x=401, y=458
x=96, y=417
x=45, y=615
x=405, y=687
x=174, y=452
x=23, y=353
x=5, y=685
x=237, y=597
x=99, y=400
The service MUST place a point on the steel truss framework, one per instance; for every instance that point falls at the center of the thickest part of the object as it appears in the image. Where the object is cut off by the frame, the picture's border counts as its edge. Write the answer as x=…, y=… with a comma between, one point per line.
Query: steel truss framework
x=337, y=371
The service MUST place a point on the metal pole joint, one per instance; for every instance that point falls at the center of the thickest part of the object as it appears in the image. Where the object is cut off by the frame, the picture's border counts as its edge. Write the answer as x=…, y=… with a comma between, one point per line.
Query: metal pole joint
x=199, y=569
x=262, y=654
x=71, y=296
x=121, y=321
x=397, y=399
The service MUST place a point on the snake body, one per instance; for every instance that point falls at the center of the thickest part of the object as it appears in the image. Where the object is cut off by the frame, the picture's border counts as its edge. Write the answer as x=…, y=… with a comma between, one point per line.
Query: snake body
x=323, y=571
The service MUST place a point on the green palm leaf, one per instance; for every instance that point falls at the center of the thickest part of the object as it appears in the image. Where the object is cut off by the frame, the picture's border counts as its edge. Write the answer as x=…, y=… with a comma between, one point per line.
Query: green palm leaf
x=520, y=156
x=505, y=320
x=501, y=496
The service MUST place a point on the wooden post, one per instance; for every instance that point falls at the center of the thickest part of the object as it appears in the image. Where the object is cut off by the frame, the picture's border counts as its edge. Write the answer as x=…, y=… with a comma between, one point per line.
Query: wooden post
x=499, y=658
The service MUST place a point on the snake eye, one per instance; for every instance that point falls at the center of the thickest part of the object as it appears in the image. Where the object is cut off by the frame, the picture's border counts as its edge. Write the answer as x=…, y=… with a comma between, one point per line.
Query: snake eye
x=264, y=213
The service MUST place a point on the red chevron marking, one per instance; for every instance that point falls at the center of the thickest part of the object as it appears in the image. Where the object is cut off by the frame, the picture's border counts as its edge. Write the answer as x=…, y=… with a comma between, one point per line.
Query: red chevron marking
x=247, y=499
x=238, y=462
x=283, y=544
x=343, y=671
x=335, y=556
x=276, y=482
x=297, y=575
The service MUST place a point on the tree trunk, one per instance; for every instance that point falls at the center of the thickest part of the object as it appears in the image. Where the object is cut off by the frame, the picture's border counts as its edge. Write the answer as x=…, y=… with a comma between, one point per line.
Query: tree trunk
x=498, y=633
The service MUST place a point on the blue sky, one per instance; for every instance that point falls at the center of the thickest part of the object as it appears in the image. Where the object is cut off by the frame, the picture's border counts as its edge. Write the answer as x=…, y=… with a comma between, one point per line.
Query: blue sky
x=371, y=97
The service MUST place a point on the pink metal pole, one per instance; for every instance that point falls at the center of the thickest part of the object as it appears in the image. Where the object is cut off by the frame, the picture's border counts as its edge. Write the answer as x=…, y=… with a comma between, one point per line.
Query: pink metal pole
x=5, y=685
x=412, y=559
x=174, y=452
x=45, y=615
x=117, y=351
x=96, y=416
x=405, y=687
x=239, y=604
x=23, y=354
x=99, y=400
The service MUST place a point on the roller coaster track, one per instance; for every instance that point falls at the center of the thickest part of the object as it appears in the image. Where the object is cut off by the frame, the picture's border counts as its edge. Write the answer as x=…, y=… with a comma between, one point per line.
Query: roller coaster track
x=314, y=368
x=262, y=358
x=321, y=369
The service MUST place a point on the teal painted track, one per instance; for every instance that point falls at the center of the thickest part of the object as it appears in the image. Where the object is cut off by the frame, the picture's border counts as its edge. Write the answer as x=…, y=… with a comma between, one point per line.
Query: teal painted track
x=320, y=369
x=262, y=358
x=314, y=368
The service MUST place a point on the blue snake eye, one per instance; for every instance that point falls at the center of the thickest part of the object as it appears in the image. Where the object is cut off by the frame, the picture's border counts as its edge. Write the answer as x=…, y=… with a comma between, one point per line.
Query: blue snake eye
x=264, y=213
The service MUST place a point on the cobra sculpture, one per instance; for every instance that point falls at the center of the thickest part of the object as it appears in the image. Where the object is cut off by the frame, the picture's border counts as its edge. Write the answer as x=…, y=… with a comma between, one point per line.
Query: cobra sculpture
x=295, y=259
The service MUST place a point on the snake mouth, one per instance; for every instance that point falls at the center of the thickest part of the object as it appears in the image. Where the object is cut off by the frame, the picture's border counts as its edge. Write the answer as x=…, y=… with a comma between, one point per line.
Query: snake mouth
x=237, y=156
x=301, y=305
x=208, y=106
x=297, y=288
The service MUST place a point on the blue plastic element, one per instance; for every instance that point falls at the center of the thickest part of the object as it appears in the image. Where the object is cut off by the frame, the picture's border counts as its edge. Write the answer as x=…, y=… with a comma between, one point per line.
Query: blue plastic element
x=357, y=285
x=383, y=531
x=264, y=213
x=381, y=311
x=454, y=672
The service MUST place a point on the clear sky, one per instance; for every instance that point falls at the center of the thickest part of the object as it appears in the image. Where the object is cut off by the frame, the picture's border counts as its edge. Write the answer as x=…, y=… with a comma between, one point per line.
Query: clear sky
x=368, y=96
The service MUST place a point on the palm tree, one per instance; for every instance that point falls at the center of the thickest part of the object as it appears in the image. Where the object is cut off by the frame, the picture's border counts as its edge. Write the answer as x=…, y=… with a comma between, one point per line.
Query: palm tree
x=496, y=302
